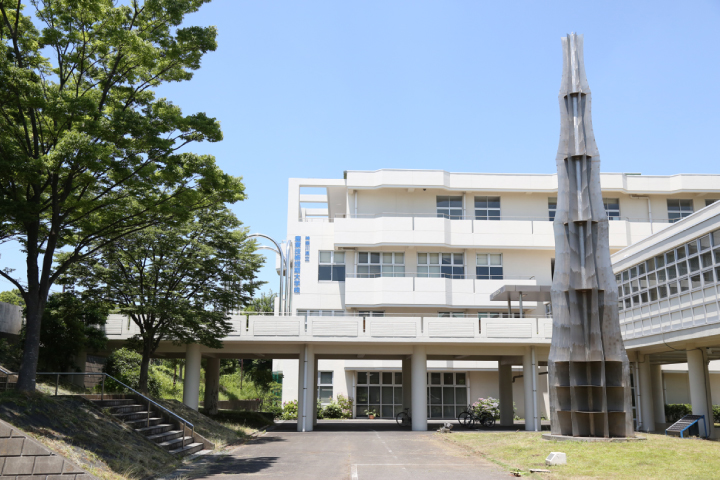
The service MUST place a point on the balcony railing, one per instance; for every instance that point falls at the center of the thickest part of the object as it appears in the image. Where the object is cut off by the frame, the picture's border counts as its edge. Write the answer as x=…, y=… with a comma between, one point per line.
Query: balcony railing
x=472, y=216
x=452, y=276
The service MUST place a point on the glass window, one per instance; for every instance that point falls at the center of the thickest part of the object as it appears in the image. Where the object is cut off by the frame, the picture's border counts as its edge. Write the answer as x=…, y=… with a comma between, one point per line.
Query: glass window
x=451, y=315
x=644, y=297
x=662, y=277
x=552, y=208
x=612, y=208
x=643, y=283
x=371, y=313
x=325, y=378
x=387, y=378
x=331, y=266
x=692, y=248
x=708, y=277
x=460, y=379
x=435, y=378
x=682, y=268
x=385, y=264
x=716, y=252
x=374, y=378
x=651, y=265
x=325, y=387
x=684, y=284
x=362, y=378
x=716, y=238
x=489, y=266
x=672, y=288
x=679, y=208
x=633, y=272
x=671, y=272
x=635, y=286
x=445, y=265
x=710, y=201
x=652, y=280
x=626, y=275
x=694, y=264
x=670, y=257
x=662, y=291
x=659, y=261
x=695, y=281
x=487, y=208
x=653, y=294
x=641, y=269
x=628, y=303
x=450, y=207
x=706, y=259
x=704, y=243
x=636, y=300
x=680, y=252
x=398, y=378
x=321, y=313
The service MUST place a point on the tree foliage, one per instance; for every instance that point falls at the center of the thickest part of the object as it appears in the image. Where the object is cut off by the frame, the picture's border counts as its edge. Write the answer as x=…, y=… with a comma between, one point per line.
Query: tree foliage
x=124, y=364
x=71, y=323
x=13, y=297
x=88, y=154
x=176, y=285
x=264, y=303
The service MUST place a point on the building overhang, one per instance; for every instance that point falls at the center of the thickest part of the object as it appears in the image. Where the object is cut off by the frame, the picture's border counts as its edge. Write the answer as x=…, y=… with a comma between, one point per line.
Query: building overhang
x=530, y=293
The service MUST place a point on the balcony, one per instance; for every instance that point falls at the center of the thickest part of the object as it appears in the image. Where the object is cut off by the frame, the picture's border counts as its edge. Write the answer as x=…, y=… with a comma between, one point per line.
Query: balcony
x=465, y=231
x=412, y=290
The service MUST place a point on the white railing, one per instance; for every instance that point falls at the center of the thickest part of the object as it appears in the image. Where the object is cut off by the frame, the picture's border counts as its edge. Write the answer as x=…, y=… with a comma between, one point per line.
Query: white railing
x=472, y=216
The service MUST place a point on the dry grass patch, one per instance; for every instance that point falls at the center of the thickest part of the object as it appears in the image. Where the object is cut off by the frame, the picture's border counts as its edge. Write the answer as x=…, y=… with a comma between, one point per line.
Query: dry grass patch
x=657, y=457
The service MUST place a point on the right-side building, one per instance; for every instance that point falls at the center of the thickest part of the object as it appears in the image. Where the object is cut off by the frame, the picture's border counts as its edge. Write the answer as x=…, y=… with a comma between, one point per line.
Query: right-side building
x=400, y=244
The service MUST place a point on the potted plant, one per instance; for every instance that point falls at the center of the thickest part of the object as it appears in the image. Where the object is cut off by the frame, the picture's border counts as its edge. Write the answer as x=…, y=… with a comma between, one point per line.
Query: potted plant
x=371, y=413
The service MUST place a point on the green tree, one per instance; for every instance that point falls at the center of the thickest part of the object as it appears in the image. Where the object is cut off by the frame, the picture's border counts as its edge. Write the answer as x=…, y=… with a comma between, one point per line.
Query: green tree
x=71, y=323
x=88, y=154
x=176, y=285
x=13, y=297
x=264, y=303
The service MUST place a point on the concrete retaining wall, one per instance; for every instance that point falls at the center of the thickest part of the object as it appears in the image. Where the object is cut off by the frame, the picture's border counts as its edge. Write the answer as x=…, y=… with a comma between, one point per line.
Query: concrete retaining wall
x=23, y=457
x=11, y=319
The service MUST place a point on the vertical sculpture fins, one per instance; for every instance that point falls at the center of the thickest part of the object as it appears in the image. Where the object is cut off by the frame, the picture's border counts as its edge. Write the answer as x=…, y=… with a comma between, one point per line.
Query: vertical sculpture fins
x=589, y=372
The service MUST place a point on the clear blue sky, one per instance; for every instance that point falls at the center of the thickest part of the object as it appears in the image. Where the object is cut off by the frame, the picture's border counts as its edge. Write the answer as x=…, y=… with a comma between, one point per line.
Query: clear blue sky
x=310, y=89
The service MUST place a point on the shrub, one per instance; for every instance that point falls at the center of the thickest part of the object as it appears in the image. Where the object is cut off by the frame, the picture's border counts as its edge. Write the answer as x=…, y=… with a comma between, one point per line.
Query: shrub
x=346, y=405
x=332, y=410
x=487, y=405
x=716, y=413
x=290, y=410
x=124, y=364
x=319, y=410
x=675, y=411
x=275, y=410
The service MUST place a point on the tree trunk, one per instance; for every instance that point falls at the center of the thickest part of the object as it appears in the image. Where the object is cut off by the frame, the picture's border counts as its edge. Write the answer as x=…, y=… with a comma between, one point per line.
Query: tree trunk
x=31, y=349
x=145, y=368
x=174, y=374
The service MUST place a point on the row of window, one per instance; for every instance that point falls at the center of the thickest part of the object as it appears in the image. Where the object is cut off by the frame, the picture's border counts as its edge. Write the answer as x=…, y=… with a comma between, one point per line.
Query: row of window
x=381, y=313
x=693, y=265
x=331, y=265
x=488, y=208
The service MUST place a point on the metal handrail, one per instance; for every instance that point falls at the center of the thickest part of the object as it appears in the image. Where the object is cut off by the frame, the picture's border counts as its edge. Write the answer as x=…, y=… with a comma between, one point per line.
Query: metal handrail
x=472, y=216
x=451, y=276
x=180, y=419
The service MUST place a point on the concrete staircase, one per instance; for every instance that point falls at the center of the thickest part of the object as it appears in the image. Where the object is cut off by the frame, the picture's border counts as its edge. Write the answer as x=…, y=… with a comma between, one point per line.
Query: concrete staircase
x=155, y=425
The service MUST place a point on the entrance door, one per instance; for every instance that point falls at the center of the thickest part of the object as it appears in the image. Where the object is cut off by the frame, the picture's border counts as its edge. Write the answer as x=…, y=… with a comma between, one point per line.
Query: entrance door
x=380, y=392
x=447, y=394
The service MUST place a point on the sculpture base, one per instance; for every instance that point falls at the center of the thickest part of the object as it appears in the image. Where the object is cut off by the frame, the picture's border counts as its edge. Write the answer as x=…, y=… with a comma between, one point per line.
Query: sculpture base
x=567, y=438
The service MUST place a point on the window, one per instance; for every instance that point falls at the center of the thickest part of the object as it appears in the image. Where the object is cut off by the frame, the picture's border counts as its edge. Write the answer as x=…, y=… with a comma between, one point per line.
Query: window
x=447, y=394
x=489, y=266
x=679, y=209
x=321, y=313
x=379, y=391
x=612, y=208
x=371, y=313
x=331, y=266
x=325, y=387
x=451, y=314
x=552, y=207
x=381, y=264
x=487, y=208
x=710, y=201
x=450, y=207
x=445, y=265
x=491, y=315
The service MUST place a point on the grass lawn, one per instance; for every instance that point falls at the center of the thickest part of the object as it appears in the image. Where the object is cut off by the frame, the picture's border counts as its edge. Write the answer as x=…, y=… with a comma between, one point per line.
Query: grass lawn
x=657, y=457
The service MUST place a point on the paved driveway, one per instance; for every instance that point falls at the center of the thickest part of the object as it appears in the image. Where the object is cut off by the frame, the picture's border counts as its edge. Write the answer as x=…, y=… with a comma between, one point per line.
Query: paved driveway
x=354, y=450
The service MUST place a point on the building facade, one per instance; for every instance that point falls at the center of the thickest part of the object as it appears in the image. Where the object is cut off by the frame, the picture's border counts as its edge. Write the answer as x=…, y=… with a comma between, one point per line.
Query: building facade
x=399, y=244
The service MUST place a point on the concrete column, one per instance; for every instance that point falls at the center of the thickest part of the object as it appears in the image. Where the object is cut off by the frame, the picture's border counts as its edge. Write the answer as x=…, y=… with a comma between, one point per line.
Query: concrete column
x=407, y=382
x=530, y=382
x=646, y=402
x=506, y=394
x=191, y=385
x=658, y=393
x=315, y=395
x=418, y=411
x=306, y=393
x=699, y=379
x=212, y=385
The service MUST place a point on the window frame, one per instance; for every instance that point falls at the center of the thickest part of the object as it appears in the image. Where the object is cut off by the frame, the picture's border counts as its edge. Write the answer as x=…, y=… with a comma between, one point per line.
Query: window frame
x=441, y=266
x=552, y=208
x=321, y=385
x=677, y=213
x=397, y=269
x=487, y=212
x=450, y=212
x=606, y=203
x=490, y=275
x=333, y=266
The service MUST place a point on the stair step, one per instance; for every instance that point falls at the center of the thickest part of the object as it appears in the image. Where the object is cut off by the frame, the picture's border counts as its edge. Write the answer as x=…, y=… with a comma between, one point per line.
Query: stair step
x=130, y=416
x=143, y=421
x=114, y=402
x=154, y=429
x=188, y=450
x=164, y=436
x=175, y=443
x=127, y=408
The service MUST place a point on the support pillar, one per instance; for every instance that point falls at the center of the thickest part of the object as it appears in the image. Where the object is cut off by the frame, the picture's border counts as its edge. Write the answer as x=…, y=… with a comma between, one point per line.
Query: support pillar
x=418, y=411
x=530, y=381
x=315, y=395
x=699, y=392
x=305, y=390
x=212, y=385
x=407, y=382
x=191, y=385
x=647, y=409
x=507, y=414
x=80, y=361
x=658, y=394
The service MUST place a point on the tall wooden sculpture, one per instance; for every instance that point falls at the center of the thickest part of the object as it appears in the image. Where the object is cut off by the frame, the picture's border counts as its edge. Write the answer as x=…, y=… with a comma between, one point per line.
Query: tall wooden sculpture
x=589, y=371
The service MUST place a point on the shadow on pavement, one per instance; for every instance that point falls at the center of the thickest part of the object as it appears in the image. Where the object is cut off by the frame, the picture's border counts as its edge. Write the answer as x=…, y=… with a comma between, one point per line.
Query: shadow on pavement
x=392, y=426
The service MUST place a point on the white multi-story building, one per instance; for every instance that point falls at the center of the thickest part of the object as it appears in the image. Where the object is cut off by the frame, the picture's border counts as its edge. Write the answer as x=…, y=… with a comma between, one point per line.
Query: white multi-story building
x=429, y=244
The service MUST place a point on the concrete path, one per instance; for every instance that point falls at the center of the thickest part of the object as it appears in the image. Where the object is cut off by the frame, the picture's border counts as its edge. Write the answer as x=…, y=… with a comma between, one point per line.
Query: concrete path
x=356, y=450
